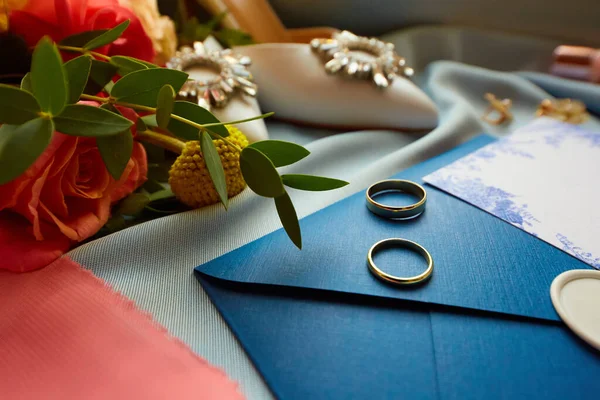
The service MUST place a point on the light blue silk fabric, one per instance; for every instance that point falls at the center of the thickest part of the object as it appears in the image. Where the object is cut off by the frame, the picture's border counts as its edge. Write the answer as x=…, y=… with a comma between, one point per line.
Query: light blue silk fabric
x=153, y=263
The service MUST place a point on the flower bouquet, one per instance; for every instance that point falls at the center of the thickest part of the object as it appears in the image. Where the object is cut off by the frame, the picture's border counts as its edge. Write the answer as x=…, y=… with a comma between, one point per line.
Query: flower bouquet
x=93, y=137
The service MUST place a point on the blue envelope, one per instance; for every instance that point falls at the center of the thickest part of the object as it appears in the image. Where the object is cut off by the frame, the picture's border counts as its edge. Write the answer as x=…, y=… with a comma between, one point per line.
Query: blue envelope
x=318, y=325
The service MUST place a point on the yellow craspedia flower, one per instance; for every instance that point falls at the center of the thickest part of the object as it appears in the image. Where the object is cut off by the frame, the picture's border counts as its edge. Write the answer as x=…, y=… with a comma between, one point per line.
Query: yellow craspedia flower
x=189, y=177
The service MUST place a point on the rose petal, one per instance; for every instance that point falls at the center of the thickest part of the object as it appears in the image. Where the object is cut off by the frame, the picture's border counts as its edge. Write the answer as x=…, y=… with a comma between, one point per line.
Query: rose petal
x=20, y=252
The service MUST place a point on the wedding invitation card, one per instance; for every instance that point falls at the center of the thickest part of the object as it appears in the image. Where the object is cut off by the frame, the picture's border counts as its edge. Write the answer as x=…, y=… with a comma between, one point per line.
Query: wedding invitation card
x=543, y=179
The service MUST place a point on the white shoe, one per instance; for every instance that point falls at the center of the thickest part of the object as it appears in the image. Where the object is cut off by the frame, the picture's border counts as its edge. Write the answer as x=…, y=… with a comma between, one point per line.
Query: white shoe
x=293, y=83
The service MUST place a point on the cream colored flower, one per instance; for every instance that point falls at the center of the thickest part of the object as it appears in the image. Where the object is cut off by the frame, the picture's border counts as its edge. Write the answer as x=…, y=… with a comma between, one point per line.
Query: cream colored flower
x=159, y=28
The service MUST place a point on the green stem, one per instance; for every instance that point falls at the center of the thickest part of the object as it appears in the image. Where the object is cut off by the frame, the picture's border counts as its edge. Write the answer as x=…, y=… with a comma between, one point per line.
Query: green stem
x=184, y=120
x=83, y=51
x=164, y=141
x=239, y=121
x=94, y=98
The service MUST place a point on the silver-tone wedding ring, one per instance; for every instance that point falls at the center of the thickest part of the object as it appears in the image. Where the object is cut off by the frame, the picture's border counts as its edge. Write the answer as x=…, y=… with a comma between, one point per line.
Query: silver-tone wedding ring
x=398, y=280
x=232, y=75
x=396, y=212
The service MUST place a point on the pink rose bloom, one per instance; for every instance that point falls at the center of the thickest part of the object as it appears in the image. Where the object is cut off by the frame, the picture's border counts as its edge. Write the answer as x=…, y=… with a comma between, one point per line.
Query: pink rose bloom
x=61, y=18
x=63, y=198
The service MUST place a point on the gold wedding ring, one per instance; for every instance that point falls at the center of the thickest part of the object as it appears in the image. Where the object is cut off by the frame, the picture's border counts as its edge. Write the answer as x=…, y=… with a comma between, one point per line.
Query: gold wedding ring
x=392, y=212
x=397, y=280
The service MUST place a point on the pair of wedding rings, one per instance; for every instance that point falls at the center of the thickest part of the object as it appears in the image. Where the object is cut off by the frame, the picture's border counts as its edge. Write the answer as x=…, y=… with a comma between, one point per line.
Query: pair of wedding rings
x=398, y=213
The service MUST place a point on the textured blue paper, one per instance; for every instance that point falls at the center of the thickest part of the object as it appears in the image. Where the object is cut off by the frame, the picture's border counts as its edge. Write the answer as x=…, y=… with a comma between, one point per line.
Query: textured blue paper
x=320, y=345
x=481, y=262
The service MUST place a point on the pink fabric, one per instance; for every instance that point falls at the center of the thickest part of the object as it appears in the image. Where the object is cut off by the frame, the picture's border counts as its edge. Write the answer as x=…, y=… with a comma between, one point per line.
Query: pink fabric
x=65, y=335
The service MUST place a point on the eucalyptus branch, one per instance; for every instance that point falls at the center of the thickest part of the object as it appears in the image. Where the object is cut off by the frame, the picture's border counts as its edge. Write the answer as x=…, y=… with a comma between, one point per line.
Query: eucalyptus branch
x=181, y=119
x=83, y=51
x=164, y=141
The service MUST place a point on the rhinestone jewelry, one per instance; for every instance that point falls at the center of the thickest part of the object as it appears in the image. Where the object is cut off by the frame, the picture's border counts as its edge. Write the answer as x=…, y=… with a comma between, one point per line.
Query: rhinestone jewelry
x=232, y=77
x=381, y=65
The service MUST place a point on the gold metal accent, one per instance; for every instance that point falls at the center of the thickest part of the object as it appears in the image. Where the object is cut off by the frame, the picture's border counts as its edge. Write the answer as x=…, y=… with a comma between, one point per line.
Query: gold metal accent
x=501, y=107
x=566, y=110
x=397, y=280
x=400, y=185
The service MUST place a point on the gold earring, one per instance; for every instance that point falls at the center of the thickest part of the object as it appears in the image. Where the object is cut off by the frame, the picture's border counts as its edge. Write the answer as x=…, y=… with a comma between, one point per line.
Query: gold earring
x=566, y=110
x=501, y=107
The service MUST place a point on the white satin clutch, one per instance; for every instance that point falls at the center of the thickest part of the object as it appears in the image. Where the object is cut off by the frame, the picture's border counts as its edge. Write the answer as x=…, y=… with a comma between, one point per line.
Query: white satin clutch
x=293, y=83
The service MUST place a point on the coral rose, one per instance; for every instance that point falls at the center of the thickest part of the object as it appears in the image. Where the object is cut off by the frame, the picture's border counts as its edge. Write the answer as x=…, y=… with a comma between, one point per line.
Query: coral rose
x=61, y=18
x=63, y=198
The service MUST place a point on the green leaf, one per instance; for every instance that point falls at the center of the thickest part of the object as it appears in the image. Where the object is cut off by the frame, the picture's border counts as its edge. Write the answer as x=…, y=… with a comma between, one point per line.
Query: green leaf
x=80, y=39
x=289, y=218
x=101, y=74
x=152, y=186
x=164, y=105
x=21, y=145
x=133, y=204
x=233, y=37
x=260, y=173
x=159, y=171
x=26, y=83
x=16, y=105
x=150, y=120
x=214, y=166
x=108, y=87
x=82, y=120
x=142, y=87
x=140, y=125
x=48, y=77
x=281, y=153
x=146, y=63
x=312, y=183
x=154, y=153
x=77, y=71
x=116, y=152
x=162, y=195
x=126, y=65
x=194, y=113
x=107, y=37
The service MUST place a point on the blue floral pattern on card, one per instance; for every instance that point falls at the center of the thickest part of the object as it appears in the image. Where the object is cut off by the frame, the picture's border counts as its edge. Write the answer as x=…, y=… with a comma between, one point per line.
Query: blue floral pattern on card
x=463, y=179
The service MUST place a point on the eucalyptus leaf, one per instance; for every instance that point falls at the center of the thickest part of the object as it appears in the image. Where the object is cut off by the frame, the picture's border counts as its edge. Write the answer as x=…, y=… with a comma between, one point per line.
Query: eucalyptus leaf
x=48, y=80
x=140, y=125
x=164, y=105
x=142, y=87
x=107, y=37
x=289, y=218
x=26, y=83
x=82, y=120
x=281, y=153
x=116, y=151
x=159, y=171
x=100, y=74
x=21, y=145
x=154, y=153
x=150, y=120
x=77, y=71
x=194, y=113
x=152, y=186
x=133, y=204
x=161, y=195
x=108, y=87
x=312, y=183
x=16, y=105
x=80, y=39
x=260, y=173
x=126, y=65
x=214, y=166
x=146, y=63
